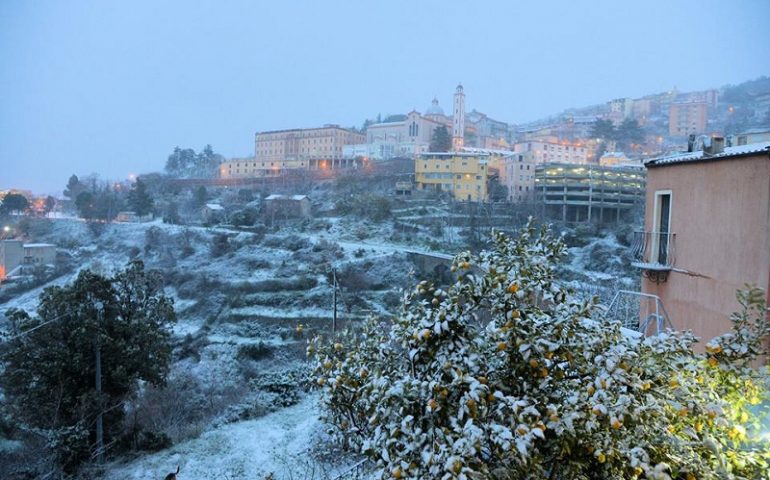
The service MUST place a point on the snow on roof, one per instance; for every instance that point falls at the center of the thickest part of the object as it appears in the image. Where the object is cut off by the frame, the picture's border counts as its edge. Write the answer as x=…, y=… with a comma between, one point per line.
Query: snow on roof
x=489, y=151
x=214, y=206
x=39, y=245
x=682, y=157
x=278, y=196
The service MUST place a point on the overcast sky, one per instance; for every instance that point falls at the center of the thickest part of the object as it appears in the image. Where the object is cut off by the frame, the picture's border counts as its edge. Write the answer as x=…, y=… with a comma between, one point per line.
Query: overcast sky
x=111, y=87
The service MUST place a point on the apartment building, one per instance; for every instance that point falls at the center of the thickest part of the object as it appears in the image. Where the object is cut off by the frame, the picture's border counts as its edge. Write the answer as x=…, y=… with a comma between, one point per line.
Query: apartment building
x=685, y=118
x=462, y=174
x=547, y=152
x=706, y=233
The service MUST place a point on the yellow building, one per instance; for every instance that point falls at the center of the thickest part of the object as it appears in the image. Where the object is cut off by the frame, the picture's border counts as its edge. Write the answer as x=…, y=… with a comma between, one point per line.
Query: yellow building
x=462, y=174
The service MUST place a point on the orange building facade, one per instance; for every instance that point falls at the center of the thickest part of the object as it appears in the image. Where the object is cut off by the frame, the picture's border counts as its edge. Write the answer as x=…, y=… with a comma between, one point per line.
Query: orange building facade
x=707, y=234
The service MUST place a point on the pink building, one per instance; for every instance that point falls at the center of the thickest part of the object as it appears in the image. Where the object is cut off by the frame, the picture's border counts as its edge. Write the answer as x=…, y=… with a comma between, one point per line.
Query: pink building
x=707, y=233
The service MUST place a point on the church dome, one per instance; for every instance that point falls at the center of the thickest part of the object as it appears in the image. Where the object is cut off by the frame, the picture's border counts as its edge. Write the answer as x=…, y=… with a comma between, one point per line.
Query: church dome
x=434, y=108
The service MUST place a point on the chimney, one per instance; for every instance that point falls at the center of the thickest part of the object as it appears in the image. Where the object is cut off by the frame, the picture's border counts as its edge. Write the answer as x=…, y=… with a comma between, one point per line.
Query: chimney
x=717, y=145
x=691, y=142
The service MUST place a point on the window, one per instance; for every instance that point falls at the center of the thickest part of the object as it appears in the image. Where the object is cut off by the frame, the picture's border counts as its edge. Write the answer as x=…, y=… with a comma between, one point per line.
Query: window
x=661, y=234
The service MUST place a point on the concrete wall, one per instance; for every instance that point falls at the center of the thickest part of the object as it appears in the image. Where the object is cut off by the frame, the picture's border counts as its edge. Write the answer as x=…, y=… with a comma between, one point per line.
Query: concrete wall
x=720, y=213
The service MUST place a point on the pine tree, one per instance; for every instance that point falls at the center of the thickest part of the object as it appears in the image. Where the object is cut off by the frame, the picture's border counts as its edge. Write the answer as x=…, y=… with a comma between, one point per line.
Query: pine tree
x=139, y=199
x=440, y=140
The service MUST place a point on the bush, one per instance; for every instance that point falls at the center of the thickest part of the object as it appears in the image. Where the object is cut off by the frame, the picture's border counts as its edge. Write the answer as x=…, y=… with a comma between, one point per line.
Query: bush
x=505, y=375
x=220, y=245
x=255, y=351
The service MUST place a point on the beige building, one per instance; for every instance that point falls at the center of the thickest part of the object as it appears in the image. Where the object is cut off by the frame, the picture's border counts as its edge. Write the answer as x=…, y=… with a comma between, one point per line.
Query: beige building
x=407, y=137
x=307, y=149
x=518, y=176
x=554, y=151
x=706, y=233
x=462, y=174
x=685, y=118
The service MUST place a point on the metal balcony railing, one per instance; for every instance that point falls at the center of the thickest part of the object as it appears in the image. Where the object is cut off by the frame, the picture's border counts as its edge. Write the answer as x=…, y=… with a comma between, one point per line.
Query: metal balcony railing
x=654, y=250
x=640, y=312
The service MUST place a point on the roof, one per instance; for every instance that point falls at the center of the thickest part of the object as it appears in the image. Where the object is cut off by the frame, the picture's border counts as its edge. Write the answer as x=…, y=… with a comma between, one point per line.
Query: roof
x=452, y=154
x=729, y=152
x=214, y=206
x=39, y=245
x=278, y=196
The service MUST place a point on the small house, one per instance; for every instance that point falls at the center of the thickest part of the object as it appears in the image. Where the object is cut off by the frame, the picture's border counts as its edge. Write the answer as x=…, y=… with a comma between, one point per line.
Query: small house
x=287, y=206
x=212, y=212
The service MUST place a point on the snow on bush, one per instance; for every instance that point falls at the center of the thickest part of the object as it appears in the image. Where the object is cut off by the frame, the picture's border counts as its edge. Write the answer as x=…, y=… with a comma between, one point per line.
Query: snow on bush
x=505, y=375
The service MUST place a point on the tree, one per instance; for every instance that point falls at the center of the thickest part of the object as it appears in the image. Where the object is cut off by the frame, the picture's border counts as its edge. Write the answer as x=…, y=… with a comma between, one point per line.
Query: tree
x=506, y=375
x=200, y=195
x=139, y=199
x=603, y=129
x=49, y=205
x=84, y=203
x=14, y=202
x=74, y=188
x=126, y=317
x=440, y=140
x=629, y=132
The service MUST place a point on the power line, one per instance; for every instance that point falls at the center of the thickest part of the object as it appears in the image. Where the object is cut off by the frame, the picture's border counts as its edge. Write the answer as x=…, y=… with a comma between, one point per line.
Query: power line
x=26, y=332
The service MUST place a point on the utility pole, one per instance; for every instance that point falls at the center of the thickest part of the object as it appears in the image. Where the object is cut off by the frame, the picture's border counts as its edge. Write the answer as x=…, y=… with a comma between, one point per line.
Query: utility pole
x=334, y=296
x=99, y=419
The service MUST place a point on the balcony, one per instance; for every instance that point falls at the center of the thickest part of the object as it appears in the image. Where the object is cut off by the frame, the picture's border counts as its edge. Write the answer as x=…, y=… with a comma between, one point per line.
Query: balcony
x=654, y=253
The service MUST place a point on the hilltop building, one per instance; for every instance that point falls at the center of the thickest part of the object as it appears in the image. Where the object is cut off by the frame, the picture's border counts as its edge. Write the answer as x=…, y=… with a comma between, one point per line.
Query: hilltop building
x=554, y=151
x=297, y=149
x=404, y=138
x=458, y=120
x=706, y=233
x=685, y=118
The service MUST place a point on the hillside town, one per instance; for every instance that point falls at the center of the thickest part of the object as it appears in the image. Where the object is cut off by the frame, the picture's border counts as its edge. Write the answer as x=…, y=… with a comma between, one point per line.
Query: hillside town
x=557, y=267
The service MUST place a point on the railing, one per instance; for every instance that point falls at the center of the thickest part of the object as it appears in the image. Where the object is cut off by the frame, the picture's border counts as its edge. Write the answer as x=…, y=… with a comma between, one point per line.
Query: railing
x=654, y=250
x=641, y=312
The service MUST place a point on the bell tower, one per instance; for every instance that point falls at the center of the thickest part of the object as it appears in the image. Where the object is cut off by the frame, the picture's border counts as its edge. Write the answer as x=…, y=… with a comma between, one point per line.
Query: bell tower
x=458, y=119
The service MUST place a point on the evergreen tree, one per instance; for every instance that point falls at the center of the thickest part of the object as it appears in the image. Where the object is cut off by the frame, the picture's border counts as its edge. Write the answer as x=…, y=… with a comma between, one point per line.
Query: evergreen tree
x=139, y=199
x=440, y=140
x=200, y=196
x=74, y=188
x=14, y=202
x=603, y=129
x=49, y=362
x=49, y=205
x=84, y=203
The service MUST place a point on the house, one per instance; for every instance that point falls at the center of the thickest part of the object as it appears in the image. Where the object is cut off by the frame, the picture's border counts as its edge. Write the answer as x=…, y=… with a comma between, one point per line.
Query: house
x=17, y=258
x=212, y=212
x=287, y=206
x=706, y=232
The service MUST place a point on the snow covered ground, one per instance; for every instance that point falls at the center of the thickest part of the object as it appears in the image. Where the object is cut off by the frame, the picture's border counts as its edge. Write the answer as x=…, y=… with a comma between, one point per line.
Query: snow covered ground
x=278, y=443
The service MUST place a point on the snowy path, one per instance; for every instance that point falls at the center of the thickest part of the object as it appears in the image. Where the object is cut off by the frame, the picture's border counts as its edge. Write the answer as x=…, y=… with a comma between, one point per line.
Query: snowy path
x=250, y=449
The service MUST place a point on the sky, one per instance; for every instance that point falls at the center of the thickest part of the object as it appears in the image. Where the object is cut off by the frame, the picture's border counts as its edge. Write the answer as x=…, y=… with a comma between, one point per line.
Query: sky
x=111, y=87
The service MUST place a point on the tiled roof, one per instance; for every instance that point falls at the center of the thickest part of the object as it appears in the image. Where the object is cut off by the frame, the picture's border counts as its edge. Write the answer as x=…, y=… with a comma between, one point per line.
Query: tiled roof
x=739, y=151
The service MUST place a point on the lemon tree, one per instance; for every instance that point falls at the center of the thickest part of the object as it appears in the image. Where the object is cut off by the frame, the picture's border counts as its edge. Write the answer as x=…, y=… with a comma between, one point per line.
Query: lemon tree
x=506, y=375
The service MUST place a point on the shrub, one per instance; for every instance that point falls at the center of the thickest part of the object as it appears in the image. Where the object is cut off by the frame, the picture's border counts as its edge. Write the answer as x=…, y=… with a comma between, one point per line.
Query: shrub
x=505, y=375
x=255, y=351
